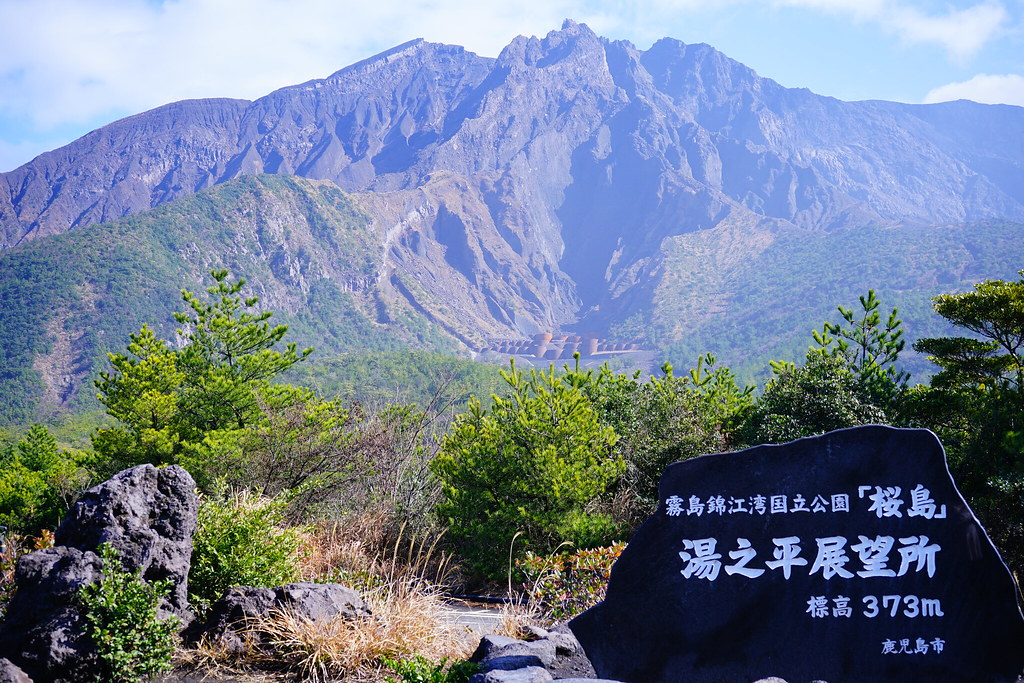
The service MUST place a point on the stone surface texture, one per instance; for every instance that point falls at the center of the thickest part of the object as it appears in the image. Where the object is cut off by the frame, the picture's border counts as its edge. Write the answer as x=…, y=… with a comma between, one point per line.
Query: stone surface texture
x=233, y=620
x=554, y=654
x=716, y=597
x=9, y=673
x=148, y=515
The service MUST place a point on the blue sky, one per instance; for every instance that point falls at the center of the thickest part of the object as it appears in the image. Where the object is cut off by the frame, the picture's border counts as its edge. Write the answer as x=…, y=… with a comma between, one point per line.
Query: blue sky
x=69, y=66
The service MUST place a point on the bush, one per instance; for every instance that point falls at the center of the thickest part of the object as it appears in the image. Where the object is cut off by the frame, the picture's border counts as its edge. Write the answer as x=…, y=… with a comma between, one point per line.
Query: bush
x=817, y=397
x=121, y=616
x=327, y=458
x=532, y=465
x=567, y=584
x=38, y=481
x=658, y=422
x=419, y=669
x=239, y=542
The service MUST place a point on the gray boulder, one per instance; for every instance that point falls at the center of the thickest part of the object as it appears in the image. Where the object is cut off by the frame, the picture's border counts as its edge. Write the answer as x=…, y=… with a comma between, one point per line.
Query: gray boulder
x=529, y=674
x=44, y=631
x=232, y=620
x=554, y=654
x=502, y=652
x=148, y=515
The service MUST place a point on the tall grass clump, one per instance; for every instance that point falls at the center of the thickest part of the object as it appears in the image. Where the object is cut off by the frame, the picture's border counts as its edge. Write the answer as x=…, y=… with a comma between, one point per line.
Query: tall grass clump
x=407, y=619
x=398, y=574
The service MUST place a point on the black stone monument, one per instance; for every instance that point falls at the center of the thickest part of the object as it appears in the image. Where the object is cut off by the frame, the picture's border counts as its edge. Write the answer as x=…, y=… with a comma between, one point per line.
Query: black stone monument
x=845, y=557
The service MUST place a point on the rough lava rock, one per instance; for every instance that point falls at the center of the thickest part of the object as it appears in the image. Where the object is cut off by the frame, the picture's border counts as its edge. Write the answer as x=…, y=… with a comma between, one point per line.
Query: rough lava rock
x=232, y=620
x=9, y=673
x=552, y=655
x=43, y=630
x=148, y=515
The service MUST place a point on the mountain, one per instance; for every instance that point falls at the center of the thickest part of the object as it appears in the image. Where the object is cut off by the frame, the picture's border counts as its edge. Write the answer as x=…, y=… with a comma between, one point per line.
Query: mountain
x=305, y=248
x=572, y=183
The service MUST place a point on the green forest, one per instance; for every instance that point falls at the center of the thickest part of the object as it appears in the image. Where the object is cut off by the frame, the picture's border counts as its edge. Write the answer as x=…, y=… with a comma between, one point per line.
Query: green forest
x=472, y=472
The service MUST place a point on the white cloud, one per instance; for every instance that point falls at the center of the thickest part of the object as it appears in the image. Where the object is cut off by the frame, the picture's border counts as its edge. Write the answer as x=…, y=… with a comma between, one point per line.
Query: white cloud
x=858, y=9
x=70, y=60
x=961, y=32
x=1008, y=89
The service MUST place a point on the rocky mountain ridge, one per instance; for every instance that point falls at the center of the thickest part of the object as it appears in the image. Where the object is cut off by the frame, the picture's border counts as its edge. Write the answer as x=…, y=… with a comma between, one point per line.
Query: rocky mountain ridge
x=558, y=168
x=571, y=183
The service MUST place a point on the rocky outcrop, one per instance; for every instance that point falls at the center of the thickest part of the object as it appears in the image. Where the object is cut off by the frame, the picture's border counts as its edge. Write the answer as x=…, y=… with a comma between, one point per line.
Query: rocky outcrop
x=554, y=655
x=148, y=515
x=43, y=631
x=9, y=673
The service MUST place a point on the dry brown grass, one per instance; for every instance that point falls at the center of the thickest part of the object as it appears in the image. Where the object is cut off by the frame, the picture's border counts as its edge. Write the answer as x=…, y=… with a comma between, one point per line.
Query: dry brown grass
x=521, y=613
x=398, y=574
x=407, y=619
x=369, y=551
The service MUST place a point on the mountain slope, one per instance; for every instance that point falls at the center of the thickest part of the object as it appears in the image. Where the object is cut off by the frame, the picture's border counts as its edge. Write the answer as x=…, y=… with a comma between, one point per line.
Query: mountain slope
x=571, y=183
x=753, y=293
x=582, y=153
x=305, y=248
x=747, y=291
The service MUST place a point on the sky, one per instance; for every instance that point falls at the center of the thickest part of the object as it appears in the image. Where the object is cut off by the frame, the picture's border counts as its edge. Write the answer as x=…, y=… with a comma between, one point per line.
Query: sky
x=70, y=66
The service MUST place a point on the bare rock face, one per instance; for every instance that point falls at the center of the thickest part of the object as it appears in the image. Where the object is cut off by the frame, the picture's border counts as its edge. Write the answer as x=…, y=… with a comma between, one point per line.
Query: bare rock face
x=44, y=631
x=148, y=515
x=9, y=673
x=559, y=167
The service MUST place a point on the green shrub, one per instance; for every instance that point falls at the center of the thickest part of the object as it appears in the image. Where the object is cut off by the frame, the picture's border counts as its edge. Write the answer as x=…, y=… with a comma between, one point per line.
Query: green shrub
x=566, y=584
x=531, y=466
x=38, y=481
x=239, y=541
x=658, y=422
x=817, y=397
x=121, y=616
x=419, y=669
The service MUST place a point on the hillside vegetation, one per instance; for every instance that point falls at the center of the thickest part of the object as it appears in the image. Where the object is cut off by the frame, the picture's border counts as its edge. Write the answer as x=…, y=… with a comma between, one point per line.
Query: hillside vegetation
x=315, y=257
x=305, y=246
x=434, y=199
x=556, y=463
x=741, y=291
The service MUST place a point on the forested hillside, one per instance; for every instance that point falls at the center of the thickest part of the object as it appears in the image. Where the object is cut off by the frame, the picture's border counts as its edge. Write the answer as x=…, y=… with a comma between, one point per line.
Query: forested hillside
x=306, y=248
x=313, y=254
